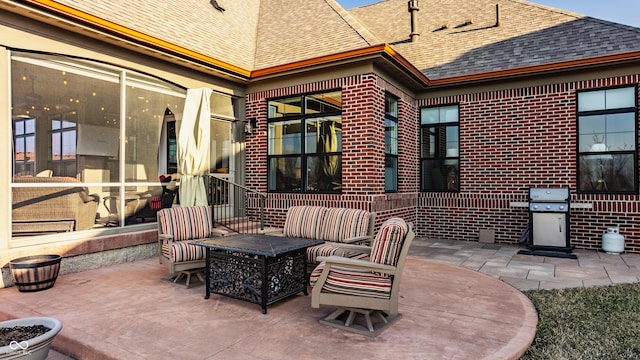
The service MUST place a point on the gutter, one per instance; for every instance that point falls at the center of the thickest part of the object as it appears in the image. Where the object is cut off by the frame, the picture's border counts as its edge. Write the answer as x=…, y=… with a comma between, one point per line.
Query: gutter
x=383, y=51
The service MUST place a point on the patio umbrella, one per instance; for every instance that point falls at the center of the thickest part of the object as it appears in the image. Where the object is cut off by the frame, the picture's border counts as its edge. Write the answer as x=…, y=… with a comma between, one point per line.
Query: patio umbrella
x=193, y=146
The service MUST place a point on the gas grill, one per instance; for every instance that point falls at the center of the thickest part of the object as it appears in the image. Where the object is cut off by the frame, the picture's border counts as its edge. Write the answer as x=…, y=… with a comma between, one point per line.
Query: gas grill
x=549, y=222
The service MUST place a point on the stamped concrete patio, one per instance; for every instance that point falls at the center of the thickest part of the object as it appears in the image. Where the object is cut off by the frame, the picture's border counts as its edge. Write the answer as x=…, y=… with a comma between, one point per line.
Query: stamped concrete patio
x=459, y=300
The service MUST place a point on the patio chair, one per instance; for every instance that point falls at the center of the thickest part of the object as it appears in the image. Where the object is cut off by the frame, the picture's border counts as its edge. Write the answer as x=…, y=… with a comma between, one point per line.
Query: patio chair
x=367, y=287
x=178, y=227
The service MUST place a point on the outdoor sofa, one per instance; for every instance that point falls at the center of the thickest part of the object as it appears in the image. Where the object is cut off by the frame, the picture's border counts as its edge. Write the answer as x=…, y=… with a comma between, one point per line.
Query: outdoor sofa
x=329, y=224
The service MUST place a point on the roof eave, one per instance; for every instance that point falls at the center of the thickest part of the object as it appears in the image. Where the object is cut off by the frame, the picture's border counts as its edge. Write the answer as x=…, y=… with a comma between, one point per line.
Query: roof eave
x=534, y=70
x=377, y=53
x=382, y=55
x=121, y=33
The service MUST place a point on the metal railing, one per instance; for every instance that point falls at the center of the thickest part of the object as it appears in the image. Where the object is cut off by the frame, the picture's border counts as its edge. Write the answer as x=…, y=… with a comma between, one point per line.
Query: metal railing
x=234, y=206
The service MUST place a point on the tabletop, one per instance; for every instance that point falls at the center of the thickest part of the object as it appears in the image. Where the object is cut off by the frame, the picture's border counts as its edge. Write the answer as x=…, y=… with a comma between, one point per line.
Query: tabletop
x=258, y=244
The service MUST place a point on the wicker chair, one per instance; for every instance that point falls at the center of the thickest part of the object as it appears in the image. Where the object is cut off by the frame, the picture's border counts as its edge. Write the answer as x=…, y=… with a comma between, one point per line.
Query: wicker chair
x=367, y=287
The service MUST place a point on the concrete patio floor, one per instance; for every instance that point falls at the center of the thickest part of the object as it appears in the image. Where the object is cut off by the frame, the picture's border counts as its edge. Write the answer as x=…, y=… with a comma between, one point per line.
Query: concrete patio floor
x=459, y=300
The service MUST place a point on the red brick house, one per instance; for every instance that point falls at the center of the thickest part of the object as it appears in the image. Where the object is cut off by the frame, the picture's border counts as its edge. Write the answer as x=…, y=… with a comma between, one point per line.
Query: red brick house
x=445, y=113
x=514, y=74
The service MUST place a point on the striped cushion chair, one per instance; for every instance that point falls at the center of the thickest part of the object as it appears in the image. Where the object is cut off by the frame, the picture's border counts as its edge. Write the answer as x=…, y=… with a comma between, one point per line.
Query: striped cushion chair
x=177, y=228
x=341, y=225
x=367, y=287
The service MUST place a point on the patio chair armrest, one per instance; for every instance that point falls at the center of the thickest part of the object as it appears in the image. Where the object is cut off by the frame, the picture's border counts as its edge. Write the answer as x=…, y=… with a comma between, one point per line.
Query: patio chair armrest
x=218, y=232
x=356, y=263
x=358, y=240
x=167, y=237
x=351, y=248
x=273, y=232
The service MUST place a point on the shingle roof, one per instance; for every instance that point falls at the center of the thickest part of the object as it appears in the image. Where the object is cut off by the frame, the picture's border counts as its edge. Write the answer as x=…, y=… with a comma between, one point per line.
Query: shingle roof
x=293, y=31
x=251, y=34
x=529, y=34
x=260, y=34
x=229, y=36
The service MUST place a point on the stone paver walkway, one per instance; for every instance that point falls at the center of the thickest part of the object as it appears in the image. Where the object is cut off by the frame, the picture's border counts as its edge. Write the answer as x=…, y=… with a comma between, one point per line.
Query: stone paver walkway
x=529, y=272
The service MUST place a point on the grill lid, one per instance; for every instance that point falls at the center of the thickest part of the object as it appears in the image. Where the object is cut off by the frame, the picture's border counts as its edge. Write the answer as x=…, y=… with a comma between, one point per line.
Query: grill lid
x=549, y=195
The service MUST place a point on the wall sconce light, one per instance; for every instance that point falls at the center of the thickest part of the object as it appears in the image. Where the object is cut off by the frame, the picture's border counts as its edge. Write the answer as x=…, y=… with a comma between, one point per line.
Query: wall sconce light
x=250, y=126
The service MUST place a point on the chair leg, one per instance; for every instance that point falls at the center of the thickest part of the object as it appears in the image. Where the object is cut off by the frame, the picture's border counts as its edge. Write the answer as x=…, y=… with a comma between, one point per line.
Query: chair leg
x=334, y=315
x=367, y=317
x=186, y=275
x=375, y=321
x=350, y=318
x=179, y=276
x=382, y=316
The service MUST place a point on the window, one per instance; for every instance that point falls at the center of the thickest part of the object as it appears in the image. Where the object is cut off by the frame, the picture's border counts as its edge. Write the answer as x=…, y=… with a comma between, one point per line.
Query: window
x=607, y=140
x=146, y=102
x=90, y=125
x=305, y=143
x=62, y=157
x=439, y=148
x=390, y=144
x=225, y=110
x=24, y=150
x=172, y=147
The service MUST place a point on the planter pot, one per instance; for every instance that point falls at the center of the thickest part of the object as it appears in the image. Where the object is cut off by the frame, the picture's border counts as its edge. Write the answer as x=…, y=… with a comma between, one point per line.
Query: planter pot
x=35, y=273
x=36, y=348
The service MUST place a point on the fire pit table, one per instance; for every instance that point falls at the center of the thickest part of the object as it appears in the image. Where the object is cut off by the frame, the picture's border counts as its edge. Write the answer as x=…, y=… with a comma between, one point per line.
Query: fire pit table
x=258, y=268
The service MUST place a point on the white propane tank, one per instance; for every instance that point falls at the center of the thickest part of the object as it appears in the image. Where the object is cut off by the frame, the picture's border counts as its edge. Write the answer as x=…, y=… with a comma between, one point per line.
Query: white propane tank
x=612, y=241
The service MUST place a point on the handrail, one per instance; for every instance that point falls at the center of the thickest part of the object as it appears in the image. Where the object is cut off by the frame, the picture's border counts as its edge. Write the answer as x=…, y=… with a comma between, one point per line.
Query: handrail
x=235, y=206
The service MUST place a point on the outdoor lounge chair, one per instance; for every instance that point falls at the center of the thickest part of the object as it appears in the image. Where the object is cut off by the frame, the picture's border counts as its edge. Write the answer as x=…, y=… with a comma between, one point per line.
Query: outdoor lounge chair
x=367, y=287
x=177, y=228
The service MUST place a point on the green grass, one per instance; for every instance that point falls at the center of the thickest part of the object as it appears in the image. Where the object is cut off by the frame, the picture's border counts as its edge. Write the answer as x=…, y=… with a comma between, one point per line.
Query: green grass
x=587, y=323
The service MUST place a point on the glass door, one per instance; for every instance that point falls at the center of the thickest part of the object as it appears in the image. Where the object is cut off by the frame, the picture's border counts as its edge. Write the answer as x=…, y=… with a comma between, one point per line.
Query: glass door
x=222, y=166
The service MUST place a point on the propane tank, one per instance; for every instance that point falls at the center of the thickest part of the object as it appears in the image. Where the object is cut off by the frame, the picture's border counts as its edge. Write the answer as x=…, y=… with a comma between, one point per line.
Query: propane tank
x=612, y=241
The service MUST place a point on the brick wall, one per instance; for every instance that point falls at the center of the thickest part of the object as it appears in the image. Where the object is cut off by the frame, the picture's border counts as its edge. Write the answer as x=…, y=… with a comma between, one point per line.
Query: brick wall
x=511, y=140
x=362, y=150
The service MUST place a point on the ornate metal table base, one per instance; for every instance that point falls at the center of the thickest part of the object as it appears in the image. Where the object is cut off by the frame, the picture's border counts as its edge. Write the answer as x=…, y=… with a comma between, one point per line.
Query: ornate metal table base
x=258, y=279
x=257, y=268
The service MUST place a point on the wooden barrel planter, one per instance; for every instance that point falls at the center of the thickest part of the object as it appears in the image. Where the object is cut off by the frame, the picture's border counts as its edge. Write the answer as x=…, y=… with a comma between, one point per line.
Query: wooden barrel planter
x=35, y=273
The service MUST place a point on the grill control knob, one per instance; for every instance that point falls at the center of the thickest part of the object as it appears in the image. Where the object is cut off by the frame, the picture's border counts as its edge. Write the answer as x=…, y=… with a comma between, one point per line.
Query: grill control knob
x=548, y=207
x=535, y=206
x=561, y=207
